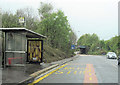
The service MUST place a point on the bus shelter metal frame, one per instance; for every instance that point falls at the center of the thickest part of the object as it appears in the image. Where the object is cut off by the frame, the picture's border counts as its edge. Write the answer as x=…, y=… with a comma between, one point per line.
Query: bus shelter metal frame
x=30, y=35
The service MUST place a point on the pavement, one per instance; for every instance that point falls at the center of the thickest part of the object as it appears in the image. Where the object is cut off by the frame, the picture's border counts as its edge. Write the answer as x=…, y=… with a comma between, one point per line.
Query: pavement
x=83, y=69
x=15, y=74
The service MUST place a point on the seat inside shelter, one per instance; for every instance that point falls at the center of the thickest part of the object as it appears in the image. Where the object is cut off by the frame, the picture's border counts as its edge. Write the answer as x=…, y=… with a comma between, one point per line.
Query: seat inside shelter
x=20, y=45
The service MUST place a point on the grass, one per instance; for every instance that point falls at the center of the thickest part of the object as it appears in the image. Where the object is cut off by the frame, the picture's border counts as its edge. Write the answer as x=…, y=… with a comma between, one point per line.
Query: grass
x=51, y=54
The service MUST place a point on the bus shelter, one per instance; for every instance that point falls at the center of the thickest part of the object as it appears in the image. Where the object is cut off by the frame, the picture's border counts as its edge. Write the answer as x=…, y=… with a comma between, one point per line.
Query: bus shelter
x=20, y=45
x=82, y=49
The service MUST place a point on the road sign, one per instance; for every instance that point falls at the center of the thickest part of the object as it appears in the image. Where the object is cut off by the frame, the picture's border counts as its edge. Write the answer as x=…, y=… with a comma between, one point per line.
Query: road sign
x=72, y=46
x=21, y=19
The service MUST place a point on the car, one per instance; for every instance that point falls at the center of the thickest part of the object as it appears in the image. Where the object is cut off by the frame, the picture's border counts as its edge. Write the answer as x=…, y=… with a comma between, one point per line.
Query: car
x=119, y=60
x=111, y=55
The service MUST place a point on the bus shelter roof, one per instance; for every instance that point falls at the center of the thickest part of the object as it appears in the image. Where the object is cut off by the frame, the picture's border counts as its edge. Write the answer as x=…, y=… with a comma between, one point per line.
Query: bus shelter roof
x=29, y=33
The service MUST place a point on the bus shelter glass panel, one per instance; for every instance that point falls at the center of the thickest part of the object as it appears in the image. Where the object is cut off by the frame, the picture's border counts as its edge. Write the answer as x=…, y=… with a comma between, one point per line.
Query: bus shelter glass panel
x=15, y=42
x=15, y=48
x=15, y=58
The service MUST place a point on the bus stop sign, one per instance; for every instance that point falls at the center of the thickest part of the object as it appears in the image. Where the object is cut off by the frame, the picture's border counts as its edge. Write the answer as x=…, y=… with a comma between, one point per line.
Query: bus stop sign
x=21, y=19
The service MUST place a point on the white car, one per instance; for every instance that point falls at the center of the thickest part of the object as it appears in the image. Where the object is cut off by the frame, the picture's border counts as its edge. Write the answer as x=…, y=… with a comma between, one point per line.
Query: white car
x=111, y=55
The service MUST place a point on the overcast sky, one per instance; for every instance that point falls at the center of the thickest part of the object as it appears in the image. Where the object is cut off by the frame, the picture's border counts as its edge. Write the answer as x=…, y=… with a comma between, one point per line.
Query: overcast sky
x=85, y=16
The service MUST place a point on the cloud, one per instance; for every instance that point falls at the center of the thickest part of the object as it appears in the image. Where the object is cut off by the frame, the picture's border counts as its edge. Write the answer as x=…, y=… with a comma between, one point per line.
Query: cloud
x=86, y=16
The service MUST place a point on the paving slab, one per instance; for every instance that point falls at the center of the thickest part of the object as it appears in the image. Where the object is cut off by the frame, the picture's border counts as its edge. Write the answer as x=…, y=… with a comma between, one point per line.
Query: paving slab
x=15, y=74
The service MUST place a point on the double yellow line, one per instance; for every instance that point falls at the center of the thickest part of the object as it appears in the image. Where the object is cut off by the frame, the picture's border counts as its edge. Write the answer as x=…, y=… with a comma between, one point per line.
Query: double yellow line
x=41, y=78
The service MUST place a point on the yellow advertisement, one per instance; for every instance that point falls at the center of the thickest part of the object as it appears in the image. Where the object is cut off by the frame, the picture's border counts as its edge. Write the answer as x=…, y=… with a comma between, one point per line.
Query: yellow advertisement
x=34, y=50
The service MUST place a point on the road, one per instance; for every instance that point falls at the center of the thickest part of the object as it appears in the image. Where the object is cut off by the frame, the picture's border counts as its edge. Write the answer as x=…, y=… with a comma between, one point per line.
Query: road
x=83, y=69
x=0, y=76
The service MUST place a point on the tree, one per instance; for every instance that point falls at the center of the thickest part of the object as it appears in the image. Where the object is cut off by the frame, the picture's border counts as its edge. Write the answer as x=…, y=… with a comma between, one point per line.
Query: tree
x=28, y=14
x=9, y=20
x=56, y=28
x=45, y=9
x=54, y=25
x=112, y=44
x=118, y=45
x=73, y=37
x=90, y=41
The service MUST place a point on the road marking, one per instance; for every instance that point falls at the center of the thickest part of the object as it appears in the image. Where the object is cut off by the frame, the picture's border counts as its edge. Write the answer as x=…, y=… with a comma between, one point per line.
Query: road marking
x=72, y=68
x=69, y=68
x=90, y=76
x=80, y=72
x=66, y=68
x=68, y=72
x=59, y=72
x=86, y=69
x=89, y=70
x=41, y=78
x=83, y=72
x=77, y=64
x=78, y=68
x=75, y=72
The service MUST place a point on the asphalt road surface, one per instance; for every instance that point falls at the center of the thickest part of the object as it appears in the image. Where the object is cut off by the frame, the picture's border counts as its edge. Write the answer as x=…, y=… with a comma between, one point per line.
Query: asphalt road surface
x=0, y=76
x=83, y=69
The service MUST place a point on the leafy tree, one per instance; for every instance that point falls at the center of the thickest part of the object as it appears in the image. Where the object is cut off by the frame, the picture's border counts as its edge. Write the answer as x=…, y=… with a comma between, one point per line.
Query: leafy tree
x=28, y=14
x=45, y=9
x=118, y=45
x=90, y=41
x=54, y=25
x=56, y=28
x=112, y=44
x=73, y=37
x=100, y=46
x=9, y=20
